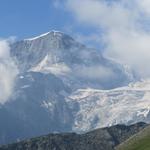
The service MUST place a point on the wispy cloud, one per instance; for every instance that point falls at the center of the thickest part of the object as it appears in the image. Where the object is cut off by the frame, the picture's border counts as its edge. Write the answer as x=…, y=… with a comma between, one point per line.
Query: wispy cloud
x=59, y=4
x=8, y=72
x=56, y=3
x=99, y=73
x=124, y=24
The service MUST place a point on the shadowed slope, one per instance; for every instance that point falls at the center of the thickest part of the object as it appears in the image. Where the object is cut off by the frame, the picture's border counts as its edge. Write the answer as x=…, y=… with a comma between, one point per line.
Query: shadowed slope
x=100, y=139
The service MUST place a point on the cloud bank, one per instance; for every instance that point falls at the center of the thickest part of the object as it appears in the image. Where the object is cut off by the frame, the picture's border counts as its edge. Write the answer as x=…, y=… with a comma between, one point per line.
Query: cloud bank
x=8, y=72
x=126, y=28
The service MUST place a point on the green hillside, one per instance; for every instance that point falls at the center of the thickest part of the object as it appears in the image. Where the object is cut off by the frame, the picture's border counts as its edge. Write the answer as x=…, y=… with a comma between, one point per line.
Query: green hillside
x=140, y=141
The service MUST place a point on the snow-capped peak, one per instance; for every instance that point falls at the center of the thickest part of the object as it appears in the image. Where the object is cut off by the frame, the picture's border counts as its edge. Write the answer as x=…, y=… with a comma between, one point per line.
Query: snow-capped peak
x=55, y=33
x=58, y=53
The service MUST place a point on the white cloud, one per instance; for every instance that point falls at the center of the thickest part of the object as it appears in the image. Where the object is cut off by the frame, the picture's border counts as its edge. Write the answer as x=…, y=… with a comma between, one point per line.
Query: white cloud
x=94, y=72
x=8, y=72
x=144, y=5
x=122, y=22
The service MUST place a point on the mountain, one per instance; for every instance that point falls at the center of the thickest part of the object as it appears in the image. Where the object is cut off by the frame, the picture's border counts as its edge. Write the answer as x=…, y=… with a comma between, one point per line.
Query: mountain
x=63, y=86
x=37, y=107
x=140, y=141
x=100, y=139
x=78, y=66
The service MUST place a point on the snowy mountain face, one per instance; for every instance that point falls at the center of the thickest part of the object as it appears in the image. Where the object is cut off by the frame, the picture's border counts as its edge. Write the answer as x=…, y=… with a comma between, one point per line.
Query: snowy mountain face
x=65, y=86
x=77, y=65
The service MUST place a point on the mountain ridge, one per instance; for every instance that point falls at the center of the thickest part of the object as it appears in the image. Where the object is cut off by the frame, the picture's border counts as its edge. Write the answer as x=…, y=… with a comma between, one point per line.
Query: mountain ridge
x=43, y=34
x=100, y=139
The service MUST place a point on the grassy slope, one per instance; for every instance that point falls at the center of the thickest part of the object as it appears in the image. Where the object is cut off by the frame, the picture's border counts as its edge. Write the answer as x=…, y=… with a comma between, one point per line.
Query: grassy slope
x=140, y=141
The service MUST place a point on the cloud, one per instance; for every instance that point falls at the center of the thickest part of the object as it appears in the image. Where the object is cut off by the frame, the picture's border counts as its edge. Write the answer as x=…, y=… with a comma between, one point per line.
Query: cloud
x=144, y=5
x=8, y=72
x=94, y=72
x=56, y=3
x=124, y=24
x=91, y=40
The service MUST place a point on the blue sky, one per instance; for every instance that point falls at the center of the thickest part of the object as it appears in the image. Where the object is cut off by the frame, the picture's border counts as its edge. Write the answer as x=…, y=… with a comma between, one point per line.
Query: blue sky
x=27, y=18
x=24, y=18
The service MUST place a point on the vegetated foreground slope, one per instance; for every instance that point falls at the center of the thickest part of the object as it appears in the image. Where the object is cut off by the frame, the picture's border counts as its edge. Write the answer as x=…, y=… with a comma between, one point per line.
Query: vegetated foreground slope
x=100, y=139
x=140, y=141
